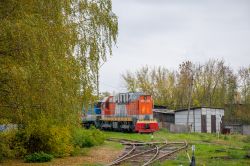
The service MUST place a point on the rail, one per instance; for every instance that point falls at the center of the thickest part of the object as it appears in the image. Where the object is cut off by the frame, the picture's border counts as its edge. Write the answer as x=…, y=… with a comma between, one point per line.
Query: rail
x=146, y=153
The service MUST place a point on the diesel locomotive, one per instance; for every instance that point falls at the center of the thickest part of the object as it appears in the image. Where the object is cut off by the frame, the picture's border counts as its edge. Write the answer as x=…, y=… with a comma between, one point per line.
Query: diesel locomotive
x=123, y=112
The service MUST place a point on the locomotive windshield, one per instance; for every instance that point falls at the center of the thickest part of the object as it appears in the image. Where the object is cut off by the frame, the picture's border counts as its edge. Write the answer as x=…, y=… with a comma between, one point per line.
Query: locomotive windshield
x=98, y=105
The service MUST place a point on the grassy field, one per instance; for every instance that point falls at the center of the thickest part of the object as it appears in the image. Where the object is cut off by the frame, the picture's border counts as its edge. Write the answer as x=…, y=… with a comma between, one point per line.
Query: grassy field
x=210, y=150
x=94, y=156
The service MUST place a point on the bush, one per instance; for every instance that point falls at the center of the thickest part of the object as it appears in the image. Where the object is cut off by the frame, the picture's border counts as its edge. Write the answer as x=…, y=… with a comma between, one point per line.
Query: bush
x=38, y=157
x=6, y=138
x=39, y=137
x=55, y=140
x=60, y=141
x=12, y=144
x=18, y=143
x=87, y=138
x=98, y=136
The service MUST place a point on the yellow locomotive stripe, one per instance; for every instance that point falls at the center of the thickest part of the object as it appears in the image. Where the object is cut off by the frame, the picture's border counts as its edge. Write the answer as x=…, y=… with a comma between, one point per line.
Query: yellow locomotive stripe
x=117, y=119
x=148, y=121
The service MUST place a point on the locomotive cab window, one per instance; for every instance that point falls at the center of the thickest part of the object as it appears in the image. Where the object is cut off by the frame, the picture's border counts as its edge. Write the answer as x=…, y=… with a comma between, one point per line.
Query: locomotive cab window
x=98, y=105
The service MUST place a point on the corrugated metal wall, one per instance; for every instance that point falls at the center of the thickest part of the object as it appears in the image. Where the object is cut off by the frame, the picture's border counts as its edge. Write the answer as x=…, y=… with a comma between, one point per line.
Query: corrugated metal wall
x=181, y=118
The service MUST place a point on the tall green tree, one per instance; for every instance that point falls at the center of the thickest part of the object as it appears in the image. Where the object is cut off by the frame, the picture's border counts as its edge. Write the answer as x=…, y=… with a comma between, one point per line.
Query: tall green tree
x=49, y=56
x=49, y=53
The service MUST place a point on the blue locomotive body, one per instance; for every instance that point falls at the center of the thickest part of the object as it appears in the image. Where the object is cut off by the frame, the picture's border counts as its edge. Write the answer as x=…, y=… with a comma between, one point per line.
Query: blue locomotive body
x=91, y=116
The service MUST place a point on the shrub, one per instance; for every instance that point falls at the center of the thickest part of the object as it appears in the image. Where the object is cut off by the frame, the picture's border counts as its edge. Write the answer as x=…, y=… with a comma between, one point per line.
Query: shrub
x=99, y=137
x=6, y=138
x=55, y=140
x=60, y=141
x=38, y=157
x=87, y=138
x=17, y=143
x=11, y=144
x=38, y=137
x=82, y=138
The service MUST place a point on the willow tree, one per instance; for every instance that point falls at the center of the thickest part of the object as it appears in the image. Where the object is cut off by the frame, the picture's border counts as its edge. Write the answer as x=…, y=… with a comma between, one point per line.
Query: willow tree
x=49, y=54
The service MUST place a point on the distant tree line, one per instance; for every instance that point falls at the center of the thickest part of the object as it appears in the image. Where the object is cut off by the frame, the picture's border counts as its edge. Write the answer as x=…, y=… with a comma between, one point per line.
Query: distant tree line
x=49, y=56
x=212, y=84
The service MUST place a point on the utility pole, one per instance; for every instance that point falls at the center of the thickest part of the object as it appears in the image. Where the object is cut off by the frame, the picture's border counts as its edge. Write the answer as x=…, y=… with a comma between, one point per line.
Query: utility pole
x=189, y=102
x=190, y=97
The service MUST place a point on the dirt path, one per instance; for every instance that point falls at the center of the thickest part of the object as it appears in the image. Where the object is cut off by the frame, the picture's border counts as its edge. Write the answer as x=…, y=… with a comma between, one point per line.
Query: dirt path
x=96, y=155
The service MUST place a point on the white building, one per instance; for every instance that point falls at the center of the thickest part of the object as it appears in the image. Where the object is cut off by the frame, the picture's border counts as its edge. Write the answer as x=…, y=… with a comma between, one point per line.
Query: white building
x=201, y=119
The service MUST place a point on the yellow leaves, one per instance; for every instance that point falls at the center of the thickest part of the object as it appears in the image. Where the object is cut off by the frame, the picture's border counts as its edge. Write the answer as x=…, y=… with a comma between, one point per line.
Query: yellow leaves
x=18, y=72
x=60, y=141
x=212, y=85
x=196, y=103
x=49, y=56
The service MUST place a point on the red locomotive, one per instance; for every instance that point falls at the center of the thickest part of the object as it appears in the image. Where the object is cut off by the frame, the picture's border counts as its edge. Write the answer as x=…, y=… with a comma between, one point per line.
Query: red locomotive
x=128, y=112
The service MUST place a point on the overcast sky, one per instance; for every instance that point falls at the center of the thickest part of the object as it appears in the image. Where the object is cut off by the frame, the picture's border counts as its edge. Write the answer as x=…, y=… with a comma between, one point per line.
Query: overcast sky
x=168, y=32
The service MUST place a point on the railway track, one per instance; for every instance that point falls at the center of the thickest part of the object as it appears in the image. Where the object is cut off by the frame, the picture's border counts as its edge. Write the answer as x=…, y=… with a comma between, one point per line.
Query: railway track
x=146, y=153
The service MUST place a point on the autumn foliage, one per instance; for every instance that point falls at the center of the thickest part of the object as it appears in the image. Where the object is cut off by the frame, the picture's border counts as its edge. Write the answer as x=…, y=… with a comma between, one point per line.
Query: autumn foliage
x=49, y=53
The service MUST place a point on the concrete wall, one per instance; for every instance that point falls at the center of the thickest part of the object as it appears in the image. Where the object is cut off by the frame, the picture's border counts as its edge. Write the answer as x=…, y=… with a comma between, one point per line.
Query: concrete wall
x=181, y=118
x=238, y=129
x=178, y=128
x=164, y=125
x=234, y=128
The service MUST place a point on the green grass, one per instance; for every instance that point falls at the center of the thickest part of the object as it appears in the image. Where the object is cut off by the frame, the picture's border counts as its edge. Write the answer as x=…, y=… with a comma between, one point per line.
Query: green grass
x=210, y=150
x=114, y=145
x=109, y=144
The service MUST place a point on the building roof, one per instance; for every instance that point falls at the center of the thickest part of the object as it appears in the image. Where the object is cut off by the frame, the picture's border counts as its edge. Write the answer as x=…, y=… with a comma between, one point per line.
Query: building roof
x=194, y=108
x=159, y=107
x=164, y=111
